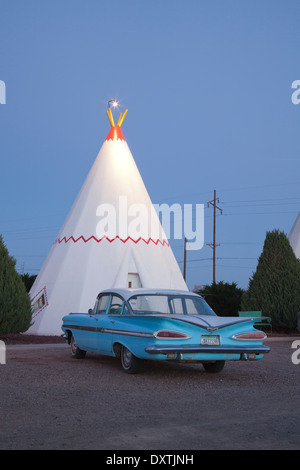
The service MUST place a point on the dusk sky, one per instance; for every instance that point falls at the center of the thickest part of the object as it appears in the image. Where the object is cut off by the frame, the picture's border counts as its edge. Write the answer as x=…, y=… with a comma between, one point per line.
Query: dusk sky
x=208, y=87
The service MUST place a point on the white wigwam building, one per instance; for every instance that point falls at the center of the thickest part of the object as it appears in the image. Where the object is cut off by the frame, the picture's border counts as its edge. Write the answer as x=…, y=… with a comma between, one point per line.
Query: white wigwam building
x=93, y=251
x=294, y=237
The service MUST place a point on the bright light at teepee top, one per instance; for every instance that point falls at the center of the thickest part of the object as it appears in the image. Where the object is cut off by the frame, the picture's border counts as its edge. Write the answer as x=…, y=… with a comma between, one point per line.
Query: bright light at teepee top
x=114, y=103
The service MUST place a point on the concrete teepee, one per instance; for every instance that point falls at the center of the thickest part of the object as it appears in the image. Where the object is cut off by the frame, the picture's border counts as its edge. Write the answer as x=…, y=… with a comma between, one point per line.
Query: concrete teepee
x=105, y=241
x=294, y=237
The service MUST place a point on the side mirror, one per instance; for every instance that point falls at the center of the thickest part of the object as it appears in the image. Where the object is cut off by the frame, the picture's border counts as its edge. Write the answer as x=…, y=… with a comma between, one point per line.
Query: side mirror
x=90, y=311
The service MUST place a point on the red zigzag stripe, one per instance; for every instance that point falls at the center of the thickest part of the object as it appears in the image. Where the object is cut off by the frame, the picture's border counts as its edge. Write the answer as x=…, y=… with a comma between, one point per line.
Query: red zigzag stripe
x=110, y=240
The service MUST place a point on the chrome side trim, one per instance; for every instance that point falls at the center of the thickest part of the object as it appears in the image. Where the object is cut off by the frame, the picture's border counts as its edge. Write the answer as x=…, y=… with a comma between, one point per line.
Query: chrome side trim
x=139, y=334
x=80, y=327
x=113, y=331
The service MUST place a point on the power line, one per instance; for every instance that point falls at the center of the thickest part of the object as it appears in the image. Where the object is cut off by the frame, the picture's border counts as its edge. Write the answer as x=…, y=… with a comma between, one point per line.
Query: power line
x=262, y=213
x=263, y=200
x=219, y=258
x=262, y=204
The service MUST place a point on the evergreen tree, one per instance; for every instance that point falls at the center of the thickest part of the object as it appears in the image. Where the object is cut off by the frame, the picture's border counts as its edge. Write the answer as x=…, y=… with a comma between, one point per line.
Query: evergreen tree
x=28, y=280
x=223, y=298
x=15, y=305
x=275, y=286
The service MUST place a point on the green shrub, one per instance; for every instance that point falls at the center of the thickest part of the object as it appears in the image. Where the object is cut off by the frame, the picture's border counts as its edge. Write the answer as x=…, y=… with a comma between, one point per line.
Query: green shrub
x=223, y=298
x=15, y=305
x=275, y=286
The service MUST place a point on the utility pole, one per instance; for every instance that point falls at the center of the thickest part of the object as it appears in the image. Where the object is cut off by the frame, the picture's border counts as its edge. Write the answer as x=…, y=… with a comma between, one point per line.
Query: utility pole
x=184, y=260
x=214, y=245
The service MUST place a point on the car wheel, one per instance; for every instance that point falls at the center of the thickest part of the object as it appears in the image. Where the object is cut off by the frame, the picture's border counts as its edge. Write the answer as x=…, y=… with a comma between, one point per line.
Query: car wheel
x=76, y=352
x=214, y=367
x=130, y=363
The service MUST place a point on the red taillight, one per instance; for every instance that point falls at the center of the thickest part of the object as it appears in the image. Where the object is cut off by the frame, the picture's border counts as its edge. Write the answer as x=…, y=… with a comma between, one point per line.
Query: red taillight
x=168, y=334
x=252, y=336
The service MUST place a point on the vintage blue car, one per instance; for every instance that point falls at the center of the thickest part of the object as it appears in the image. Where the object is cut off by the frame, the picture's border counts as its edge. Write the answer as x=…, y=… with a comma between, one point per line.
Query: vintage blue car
x=139, y=324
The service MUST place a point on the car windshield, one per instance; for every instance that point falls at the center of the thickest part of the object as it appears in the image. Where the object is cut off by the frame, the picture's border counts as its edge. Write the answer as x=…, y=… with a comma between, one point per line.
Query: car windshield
x=161, y=304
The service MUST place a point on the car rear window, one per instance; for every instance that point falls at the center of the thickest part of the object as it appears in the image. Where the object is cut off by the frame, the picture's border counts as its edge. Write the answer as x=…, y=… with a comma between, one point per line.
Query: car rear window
x=160, y=304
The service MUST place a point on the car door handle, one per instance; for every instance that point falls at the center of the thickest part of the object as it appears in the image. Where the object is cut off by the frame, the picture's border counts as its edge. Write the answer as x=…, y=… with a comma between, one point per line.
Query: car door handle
x=112, y=321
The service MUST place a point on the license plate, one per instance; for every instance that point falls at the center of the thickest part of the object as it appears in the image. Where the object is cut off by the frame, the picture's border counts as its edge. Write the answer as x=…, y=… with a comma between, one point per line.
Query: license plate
x=210, y=340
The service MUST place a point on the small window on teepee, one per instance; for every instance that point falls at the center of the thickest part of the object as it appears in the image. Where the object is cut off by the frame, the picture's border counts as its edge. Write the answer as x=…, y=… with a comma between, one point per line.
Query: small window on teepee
x=39, y=303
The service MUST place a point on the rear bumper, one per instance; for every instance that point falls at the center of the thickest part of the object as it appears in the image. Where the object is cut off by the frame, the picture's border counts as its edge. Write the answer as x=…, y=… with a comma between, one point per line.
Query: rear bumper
x=207, y=349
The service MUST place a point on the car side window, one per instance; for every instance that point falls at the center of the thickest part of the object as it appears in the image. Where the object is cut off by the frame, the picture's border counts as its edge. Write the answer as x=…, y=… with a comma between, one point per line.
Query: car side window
x=176, y=304
x=125, y=310
x=102, y=304
x=116, y=305
x=192, y=307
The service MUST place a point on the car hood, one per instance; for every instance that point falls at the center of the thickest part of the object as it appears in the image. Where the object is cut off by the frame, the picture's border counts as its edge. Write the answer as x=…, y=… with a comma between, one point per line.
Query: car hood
x=210, y=322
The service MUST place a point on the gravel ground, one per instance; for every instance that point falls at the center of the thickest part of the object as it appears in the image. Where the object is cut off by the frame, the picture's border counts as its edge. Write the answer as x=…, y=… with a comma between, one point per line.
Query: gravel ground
x=50, y=401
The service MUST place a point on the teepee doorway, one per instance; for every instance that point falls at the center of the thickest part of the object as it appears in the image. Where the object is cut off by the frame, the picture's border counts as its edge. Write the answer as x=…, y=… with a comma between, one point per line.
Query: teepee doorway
x=133, y=281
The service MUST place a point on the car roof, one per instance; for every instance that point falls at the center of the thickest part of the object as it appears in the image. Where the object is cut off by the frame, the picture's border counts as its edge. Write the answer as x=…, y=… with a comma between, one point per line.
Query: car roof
x=127, y=293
